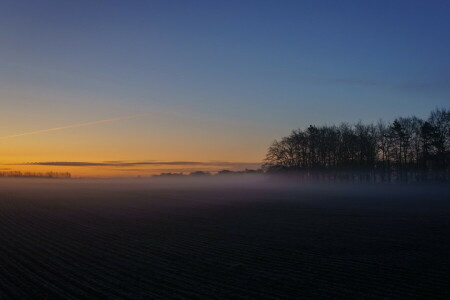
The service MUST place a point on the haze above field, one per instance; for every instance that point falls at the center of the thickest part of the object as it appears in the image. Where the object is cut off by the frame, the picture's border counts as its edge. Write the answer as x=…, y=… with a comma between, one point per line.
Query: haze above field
x=114, y=88
x=244, y=238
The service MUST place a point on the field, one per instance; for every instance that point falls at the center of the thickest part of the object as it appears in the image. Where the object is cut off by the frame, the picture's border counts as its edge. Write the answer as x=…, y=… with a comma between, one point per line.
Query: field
x=149, y=238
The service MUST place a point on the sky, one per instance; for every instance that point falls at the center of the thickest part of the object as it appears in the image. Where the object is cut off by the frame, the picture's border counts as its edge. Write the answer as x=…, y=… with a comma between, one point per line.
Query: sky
x=127, y=88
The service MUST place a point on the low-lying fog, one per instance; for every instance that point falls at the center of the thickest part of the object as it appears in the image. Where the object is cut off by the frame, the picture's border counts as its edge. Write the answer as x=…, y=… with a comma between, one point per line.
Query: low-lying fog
x=233, y=188
x=248, y=237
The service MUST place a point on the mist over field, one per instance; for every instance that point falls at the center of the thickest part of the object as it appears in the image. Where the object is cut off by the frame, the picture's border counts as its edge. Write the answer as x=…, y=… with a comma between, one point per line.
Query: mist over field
x=247, y=236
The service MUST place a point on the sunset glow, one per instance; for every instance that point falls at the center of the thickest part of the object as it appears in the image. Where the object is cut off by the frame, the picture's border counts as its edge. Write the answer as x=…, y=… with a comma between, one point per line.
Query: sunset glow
x=98, y=82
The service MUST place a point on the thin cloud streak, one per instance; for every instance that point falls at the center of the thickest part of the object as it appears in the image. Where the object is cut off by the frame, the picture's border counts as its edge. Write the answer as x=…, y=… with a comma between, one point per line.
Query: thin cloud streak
x=74, y=126
x=434, y=82
x=141, y=163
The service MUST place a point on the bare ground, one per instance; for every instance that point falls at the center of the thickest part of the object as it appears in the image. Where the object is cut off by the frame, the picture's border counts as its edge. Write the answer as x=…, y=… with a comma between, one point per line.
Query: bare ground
x=109, y=239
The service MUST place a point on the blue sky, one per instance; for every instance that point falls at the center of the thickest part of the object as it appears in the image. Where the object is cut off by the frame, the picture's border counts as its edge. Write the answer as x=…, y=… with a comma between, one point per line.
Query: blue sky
x=242, y=58
x=270, y=65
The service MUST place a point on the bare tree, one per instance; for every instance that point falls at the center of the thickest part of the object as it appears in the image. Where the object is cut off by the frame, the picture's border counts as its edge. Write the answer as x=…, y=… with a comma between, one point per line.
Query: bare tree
x=400, y=150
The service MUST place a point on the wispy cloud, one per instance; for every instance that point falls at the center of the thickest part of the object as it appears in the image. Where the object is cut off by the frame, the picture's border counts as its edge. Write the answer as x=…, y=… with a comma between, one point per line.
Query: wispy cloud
x=439, y=81
x=350, y=81
x=142, y=163
x=75, y=126
x=436, y=84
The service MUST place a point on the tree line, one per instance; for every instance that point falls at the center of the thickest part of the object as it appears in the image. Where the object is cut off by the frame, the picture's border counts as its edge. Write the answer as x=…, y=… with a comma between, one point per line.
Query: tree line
x=207, y=173
x=35, y=174
x=408, y=149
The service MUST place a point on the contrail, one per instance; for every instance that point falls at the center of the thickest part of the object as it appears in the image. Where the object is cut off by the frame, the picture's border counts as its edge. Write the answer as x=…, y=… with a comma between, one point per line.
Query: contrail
x=75, y=126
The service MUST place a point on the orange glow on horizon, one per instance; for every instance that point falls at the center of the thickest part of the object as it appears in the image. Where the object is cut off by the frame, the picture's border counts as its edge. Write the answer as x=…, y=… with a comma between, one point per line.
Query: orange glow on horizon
x=165, y=137
x=131, y=171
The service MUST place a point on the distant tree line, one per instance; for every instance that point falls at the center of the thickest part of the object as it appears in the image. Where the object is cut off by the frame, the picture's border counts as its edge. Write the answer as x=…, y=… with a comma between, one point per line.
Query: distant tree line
x=406, y=150
x=34, y=174
x=206, y=173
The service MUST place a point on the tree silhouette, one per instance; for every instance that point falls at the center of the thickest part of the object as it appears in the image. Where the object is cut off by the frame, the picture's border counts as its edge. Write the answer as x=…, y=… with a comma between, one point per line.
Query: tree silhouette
x=408, y=149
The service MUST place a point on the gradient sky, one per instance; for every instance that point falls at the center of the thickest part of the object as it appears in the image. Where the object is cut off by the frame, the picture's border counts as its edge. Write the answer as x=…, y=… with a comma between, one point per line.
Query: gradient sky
x=217, y=80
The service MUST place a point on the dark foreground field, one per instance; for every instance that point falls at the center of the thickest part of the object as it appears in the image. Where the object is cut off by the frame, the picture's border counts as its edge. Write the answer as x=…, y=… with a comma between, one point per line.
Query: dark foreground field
x=147, y=239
